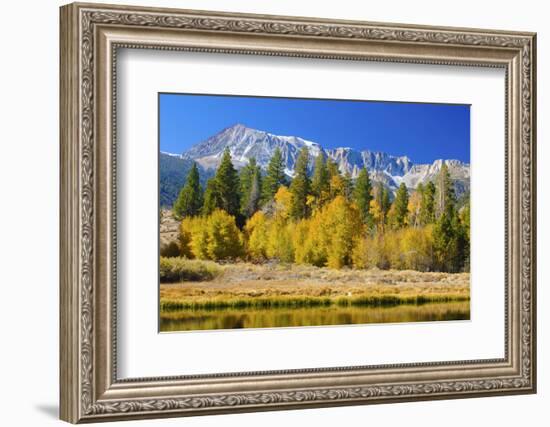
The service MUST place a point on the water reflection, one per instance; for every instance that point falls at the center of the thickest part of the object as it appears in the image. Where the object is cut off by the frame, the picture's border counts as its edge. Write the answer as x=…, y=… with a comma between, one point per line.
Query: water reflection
x=187, y=320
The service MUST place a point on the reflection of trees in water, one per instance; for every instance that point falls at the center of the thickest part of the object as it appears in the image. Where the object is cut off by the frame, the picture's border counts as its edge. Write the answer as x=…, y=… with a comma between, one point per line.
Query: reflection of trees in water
x=186, y=320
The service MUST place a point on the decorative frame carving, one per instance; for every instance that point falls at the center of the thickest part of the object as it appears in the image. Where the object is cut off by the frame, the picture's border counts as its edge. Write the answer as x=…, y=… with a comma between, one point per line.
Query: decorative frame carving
x=90, y=36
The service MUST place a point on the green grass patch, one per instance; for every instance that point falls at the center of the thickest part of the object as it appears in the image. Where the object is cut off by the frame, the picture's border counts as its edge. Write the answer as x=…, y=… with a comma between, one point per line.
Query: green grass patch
x=221, y=302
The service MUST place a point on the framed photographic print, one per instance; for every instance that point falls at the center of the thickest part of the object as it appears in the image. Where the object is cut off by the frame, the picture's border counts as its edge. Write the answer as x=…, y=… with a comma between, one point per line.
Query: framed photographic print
x=292, y=232
x=264, y=212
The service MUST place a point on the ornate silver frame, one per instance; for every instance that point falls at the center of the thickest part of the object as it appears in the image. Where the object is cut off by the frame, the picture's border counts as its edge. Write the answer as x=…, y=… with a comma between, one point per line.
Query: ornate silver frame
x=90, y=36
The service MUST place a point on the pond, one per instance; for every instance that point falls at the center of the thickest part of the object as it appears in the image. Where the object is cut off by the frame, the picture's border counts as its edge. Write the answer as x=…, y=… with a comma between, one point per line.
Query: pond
x=190, y=320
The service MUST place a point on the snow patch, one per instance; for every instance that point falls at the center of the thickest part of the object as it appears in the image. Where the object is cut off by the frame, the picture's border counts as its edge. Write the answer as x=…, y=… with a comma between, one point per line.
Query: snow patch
x=171, y=154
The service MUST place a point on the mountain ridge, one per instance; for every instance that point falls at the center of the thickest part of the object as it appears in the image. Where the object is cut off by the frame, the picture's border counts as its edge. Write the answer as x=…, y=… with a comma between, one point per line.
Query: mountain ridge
x=244, y=143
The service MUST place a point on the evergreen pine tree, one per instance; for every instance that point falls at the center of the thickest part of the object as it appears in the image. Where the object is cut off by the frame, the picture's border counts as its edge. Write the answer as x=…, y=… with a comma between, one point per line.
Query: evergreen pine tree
x=347, y=186
x=246, y=177
x=338, y=185
x=300, y=187
x=427, y=213
x=451, y=248
x=362, y=195
x=465, y=222
x=212, y=199
x=227, y=182
x=444, y=195
x=400, y=206
x=320, y=182
x=189, y=201
x=443, y=234
x=465, y=218
x=379, y=206
x=385, y=202
x=461, y=244
x=275, y=176
x=450, y=234
x=253, y=199
x=332, y=168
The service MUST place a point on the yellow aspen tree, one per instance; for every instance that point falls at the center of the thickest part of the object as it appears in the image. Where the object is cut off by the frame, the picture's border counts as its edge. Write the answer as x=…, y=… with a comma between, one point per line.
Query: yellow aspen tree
x=300, y=240
x=360, y=253
x=194, y=235
x=417, y=248
x=377, y=215
x=337, y=186
x=315, y=245
x=392, y=217
x=256, y=230
x=185, y=238
x=414, y=208
x=341, y=223
x=224, y=238
x=279, y=240
x=283, y=203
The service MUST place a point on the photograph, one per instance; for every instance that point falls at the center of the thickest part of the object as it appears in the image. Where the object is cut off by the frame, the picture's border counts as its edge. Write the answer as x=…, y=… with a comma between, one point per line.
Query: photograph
x=280, y=212
x=268, y=212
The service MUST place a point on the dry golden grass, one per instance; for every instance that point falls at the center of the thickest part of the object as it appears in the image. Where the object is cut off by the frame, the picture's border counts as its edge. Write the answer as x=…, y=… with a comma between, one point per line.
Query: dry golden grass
x=245, y=284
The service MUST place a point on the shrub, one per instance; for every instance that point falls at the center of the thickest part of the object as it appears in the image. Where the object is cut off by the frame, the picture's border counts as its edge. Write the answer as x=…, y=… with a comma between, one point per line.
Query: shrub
x=173, y=270
x=170, y=250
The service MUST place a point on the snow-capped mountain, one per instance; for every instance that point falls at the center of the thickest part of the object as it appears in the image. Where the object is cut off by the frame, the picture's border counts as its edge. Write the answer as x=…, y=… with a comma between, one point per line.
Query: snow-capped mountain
x=423, y=173
x=245, y=143
x=352, y=161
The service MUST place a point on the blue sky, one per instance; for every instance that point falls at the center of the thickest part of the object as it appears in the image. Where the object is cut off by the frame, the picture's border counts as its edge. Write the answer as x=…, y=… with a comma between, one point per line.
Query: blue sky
x=423, y=132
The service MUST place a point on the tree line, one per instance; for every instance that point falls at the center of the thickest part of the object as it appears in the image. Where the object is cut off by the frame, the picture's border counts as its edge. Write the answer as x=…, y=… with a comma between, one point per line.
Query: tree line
x=323, y=218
